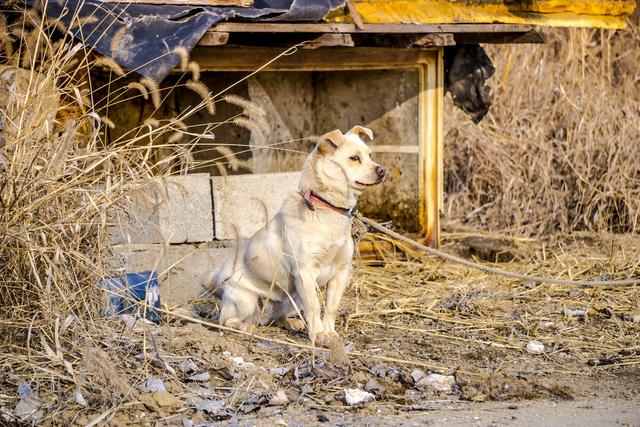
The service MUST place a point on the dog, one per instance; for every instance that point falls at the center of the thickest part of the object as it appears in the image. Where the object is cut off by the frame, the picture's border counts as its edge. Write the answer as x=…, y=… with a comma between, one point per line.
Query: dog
x=275, y=276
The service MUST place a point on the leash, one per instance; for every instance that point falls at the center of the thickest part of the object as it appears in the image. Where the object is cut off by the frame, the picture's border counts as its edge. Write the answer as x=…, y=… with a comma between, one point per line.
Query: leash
x=497, y=271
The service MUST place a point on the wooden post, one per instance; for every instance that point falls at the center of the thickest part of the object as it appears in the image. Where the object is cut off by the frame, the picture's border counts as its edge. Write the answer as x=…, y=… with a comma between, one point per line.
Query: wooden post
x=431, y=148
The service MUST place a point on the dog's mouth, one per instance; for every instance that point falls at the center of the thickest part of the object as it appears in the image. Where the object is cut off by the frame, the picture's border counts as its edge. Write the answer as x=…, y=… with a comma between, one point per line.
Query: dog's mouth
x=364, y=184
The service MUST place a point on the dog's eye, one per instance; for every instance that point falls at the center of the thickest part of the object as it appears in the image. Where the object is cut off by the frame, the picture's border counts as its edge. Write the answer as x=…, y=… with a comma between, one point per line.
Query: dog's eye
x=355, y=159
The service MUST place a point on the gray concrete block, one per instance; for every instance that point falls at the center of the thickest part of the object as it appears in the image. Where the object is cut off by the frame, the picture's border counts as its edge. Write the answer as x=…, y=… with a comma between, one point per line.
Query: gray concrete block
x=247, y=202
x=176, y=209
x=180, y=268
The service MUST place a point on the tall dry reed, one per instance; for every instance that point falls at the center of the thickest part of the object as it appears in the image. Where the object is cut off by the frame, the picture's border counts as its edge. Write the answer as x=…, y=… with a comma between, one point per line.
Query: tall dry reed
x=64, y=182
x=559, y=151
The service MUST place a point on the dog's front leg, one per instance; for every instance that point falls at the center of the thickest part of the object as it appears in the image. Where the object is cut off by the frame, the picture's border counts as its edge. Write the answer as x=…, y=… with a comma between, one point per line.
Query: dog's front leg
x=335, y=290
x=305, y=282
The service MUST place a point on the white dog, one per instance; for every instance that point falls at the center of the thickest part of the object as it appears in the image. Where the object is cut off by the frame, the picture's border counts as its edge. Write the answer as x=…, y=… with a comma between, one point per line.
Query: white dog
x=276, y=274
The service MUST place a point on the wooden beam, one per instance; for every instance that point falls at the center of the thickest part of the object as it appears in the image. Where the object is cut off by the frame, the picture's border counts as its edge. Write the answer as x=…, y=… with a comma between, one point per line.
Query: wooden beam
x=395, y=149
x=435, y=40
x=357, y=19
x=214, y=39
x=330, y=40
x=527, y=37
x=247, y=27
x=234, y=3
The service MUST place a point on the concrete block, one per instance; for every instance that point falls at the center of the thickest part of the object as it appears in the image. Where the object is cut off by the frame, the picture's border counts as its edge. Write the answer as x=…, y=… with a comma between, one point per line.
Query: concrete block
x=176, y=209
x=247, y=202
x=180, y=268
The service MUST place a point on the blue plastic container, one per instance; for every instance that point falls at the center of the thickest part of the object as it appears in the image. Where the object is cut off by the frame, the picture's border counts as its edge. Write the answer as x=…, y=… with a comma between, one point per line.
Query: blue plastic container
x=128, y=295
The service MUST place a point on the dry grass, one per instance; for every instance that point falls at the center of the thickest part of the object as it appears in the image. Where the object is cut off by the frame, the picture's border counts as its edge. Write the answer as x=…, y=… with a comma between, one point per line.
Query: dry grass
x=456, y=304
x=62, y=186
x=559, y=150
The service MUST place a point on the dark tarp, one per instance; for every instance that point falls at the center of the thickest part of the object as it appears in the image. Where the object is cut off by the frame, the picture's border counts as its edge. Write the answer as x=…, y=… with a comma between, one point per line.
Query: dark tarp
x=151, y=32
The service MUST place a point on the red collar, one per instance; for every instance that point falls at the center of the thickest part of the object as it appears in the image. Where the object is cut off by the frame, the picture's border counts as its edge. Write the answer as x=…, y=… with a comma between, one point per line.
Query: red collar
x=310, y=198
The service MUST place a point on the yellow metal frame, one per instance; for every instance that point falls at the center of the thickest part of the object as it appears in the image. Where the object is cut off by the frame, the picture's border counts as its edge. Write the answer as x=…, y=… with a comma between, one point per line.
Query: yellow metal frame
x=428, y=63
x=558, y=13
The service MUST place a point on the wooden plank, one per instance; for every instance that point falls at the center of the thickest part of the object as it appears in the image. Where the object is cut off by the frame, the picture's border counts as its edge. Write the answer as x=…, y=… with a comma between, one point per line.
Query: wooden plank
x=400, y=149
x=521, y=38
x=248, y=27
x=330, y=40
x=357, y=19
x=431, y=40
x=245, y=58
x=214, y=39
x=234, y=3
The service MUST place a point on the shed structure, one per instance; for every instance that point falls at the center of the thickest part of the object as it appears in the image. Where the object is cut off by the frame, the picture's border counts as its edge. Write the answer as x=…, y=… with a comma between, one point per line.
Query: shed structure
x=381, y=64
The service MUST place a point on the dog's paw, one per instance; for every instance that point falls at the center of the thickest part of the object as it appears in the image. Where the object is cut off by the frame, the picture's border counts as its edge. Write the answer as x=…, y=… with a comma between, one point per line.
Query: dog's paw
x=239, y=325
x=291, y=324
x=333, y=342
x=328, y=340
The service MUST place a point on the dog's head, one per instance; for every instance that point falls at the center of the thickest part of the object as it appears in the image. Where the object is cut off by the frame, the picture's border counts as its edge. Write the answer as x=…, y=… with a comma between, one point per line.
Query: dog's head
x=342, y=163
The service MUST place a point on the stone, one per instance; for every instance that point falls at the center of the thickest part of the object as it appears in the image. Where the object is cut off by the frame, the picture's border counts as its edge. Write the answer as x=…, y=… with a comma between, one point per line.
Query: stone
x=417, y=375
x=437, y=382
x=180, y=268
x=154, y=384
x=535, y=347
x=188, y=366
x=354, y=396
x=176, y=209
x=165, y=400
x=211, y=406
x=569, y=312
x=246, y=202
x=201, y=377
x=279, y=399
x=79, y=398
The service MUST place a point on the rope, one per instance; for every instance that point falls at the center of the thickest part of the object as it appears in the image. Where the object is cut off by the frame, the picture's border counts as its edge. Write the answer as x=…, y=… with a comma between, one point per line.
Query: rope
x=497, y=271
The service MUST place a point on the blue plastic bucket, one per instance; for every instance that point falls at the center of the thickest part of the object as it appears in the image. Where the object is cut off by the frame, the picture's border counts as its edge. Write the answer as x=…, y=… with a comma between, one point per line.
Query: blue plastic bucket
x=128, y=295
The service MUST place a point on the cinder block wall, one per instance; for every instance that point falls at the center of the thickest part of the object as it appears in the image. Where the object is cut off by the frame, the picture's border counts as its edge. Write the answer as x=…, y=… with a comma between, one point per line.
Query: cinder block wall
x=185, y=226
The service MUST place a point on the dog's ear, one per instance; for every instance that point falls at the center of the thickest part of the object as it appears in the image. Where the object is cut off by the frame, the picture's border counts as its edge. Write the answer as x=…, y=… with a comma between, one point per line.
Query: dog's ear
x=328, y=142
x=361, y=132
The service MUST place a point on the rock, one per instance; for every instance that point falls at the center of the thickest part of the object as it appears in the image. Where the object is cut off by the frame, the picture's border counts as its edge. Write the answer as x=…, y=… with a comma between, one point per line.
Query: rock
x=636, y=318
x=437, y=382
x=166, y=400
x=211, y=406
x=188, y=366
x=535, y=347
x=79, y=398
x=28, y=407
x=237, y=360
x=154, y=384
x=354, y=396
x=202, y=377
x=281, y=422
x=280, y=370
x=417, y=375
x=574, y=313
x=385, y=371
x=373, y=385
x=186, y=422
x=279, y=399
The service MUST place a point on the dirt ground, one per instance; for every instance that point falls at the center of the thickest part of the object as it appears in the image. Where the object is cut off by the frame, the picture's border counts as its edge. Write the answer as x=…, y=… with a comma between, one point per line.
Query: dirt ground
x=594, y=412
x=423, y=342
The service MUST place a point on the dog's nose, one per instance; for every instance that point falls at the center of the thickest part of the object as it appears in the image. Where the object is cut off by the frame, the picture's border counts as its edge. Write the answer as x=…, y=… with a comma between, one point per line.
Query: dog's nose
x=381, y=171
